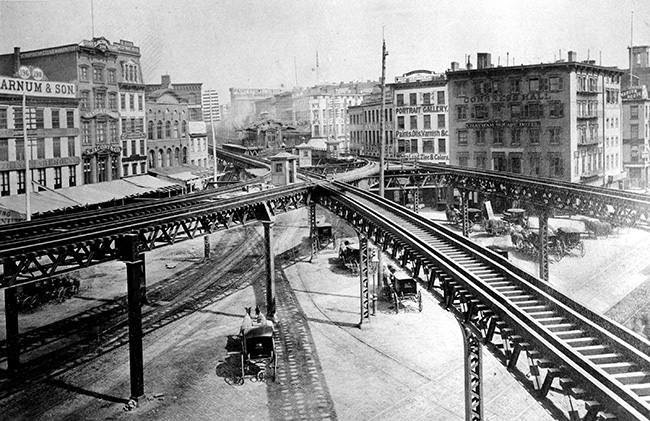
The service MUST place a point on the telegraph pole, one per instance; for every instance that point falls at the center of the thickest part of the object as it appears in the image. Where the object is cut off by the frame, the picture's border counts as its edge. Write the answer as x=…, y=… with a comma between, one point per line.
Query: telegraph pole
x=382, y=148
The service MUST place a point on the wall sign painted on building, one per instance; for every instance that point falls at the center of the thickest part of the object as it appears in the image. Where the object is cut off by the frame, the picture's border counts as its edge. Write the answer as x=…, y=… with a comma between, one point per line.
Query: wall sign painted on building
x=40, y=163
x=13, y=86
x=422, y=109
x=425, y=156
x=532, y=96
x=501, y=123
x=635, y=93
x=103, y=149
x=419, y=133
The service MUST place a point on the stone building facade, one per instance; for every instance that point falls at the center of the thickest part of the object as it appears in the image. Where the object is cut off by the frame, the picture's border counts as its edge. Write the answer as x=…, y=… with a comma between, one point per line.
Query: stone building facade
x=364, y=126
x=560, y=120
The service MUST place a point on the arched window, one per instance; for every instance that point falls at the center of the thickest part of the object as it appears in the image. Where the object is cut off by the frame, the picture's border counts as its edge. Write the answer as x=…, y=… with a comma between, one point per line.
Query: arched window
x=159, y=130
x=184, y=156
x=168, y=129
x=150, y=130
x=169, y=157
x=184, y=128
x=176, y=129
x=160, y=158
x=152, y=159
x=177, y=156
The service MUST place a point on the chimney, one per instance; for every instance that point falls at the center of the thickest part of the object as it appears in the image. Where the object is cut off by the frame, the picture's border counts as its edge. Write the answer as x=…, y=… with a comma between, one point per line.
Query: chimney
x=468, y=66
x=573, y=56
x=455, y=66
x=16, y=59
x=483, y=60
x=165, y=81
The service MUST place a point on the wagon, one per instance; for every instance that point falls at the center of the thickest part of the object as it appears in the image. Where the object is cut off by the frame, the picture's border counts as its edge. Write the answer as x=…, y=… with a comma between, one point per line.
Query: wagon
x=527, y=242
x=325, y=235
x=404, y=289
x=516, y=216
x=349, y=255
x=571, y=239
x=258, y=358
x=496, y=226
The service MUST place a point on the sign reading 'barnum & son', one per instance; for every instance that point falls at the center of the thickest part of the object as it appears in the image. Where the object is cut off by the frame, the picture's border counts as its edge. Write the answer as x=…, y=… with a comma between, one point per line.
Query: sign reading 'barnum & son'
x=46, y=88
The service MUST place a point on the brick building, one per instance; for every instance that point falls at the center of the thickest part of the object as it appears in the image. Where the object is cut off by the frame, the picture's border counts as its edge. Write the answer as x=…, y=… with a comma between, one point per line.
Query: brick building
x=636, y=135
x=53, y=135
x=191, y=92
x=102, y=72
x=364, y=122
x=559, y=120
x=421, y=108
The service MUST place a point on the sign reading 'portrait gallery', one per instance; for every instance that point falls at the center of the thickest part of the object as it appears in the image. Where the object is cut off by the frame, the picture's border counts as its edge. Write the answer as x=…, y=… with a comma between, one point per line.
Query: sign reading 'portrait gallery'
x=47, y=88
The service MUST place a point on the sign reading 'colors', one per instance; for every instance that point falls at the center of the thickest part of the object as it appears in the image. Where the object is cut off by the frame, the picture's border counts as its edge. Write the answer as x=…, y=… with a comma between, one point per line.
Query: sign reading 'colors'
x=46, y=88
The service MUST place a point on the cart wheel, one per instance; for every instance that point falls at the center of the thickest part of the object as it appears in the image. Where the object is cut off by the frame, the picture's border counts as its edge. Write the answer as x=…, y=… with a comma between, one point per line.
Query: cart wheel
x=261, y=375
x=396, y=302
x=239, y=381
x=420, y=301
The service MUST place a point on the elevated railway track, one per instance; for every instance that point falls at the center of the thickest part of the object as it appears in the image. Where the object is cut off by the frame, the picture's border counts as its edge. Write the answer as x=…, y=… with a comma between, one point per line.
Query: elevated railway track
x=594, y=359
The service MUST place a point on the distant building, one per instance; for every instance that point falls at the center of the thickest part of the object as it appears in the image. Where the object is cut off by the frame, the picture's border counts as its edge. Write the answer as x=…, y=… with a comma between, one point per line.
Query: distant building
x=636, y=136
x=53, y=134
x=211, y=108
x=421, y=108
x=242, y=103
x=167, y=128
x=105, y=74
x=559, y=120
x=198, y=151
x=364, y=122
x=191, y=92
x=640, y=67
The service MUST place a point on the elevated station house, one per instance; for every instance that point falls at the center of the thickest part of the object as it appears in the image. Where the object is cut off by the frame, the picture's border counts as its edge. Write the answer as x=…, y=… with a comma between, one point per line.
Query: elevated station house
x=364, y=122
x=636, y=136
x=421, y=109
x=109, y=87
x=560, y=120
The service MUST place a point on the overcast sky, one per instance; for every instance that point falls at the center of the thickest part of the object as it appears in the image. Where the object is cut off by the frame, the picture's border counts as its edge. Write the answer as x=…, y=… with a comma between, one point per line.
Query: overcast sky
x=254, y=43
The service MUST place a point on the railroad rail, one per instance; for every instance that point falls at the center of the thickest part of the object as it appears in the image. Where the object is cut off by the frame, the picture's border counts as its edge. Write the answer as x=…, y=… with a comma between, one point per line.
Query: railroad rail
x=621, y=207
x=595, y=359
x=44, y=254
x=71, y=220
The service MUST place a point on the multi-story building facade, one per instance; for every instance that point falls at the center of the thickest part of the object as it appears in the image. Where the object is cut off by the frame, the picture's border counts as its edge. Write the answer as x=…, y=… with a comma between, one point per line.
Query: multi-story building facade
x=131, y=106
x=191, y=92
x=171, y=140
x=210, y=104
x=421, y=116
x=364, y=125
x=53, y=133
x=242, y=103
x=639, y=72
x=636, y=136
x=329, y=104
x=101, y=72
x=559, y=120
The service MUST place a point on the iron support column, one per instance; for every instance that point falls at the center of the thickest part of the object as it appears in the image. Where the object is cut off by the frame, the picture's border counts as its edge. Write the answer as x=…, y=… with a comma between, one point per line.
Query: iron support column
x=270, y=268
x=464, y=205
x=363, y=278
x=473, y=375
x=543, y=244
x=128, y=248
x=206, y=246
x=313, y=232
x=11, y=321
x=416, y=200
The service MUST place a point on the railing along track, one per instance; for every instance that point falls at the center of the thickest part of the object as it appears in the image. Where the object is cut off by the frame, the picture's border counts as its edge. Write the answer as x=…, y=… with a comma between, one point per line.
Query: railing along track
x=596, y=359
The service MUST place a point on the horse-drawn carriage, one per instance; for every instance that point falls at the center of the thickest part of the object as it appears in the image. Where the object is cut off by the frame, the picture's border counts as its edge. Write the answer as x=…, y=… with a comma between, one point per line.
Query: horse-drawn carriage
x=258, y=358
x=349, y=255
x=324, y=234
x=516, y=216
x=527, y=242
x=401, y=289
x=571, y=239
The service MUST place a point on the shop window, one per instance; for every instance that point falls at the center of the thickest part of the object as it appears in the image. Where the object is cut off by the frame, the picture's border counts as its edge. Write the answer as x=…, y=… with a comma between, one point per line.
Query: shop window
x=4, y=184
x=57, y=178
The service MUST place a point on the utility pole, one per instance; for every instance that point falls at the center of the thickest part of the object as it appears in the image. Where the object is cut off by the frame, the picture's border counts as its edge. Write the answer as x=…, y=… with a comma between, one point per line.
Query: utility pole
x=28, y=156
x=382, y=147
